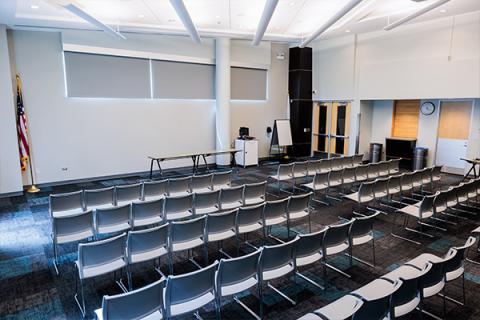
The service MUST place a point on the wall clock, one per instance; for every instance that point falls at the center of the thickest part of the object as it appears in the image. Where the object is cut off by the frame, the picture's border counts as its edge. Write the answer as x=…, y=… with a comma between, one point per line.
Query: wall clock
x=427, y=108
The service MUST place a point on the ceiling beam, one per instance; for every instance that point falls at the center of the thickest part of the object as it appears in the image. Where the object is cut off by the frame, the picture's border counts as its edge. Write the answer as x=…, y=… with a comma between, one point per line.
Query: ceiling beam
x=267, y=14
x=412, y=16
x=184, y=16
x=73, y=8
x=330, y=22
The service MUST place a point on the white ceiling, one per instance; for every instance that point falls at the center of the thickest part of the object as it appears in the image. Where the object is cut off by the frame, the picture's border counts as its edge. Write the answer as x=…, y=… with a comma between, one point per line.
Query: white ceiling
x=292, y=20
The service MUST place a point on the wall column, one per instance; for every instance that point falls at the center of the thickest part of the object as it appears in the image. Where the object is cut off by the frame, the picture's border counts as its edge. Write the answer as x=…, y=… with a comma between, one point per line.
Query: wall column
x=222, y=95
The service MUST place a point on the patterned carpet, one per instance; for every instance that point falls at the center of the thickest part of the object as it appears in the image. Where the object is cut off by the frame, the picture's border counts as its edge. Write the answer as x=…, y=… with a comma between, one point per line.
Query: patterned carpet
x=30, y=288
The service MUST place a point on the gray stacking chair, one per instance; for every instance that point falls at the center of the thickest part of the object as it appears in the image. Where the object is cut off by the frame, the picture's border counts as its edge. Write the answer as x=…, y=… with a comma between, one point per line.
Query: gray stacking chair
x=373, y=170
x=114, y=219
x=231, y=198
x=175, y=208
x=66, y=204
x=394, y=188
x=202, y=183
x=126, y=194
x=206, y=202
x=154, y=190
x=357, y=160
x=436, y=174
x=219, y=227
x=427, y=178
x=364, y=195
x=99, y=258
x=142, y=304
x=248, y=219
x=254, y=193
x=146, y=245
x=146, y=213
x=342, y=308
x=179, y=186
x=361, y=173
x=299, y=171
x=284, y=173
x=186, y=235
x=384, y=168
x=325, y=165
x=222, y=180
x=348, y=177
x=406, y=184
x=298, y=208
x=71, y=229
x=440, y=207
x=336, y=163
x=335, y=180
x=394, y=166
x=380, y=191
x=347, y=162
x=236, y=275
x=313, y=167
x=189, y=292
x=276, y=261
x=99, y=198
x=361, y=232
x=319, y=183
x=417, y=180
x=336, y=240
x=308, y=250
x=274, y=213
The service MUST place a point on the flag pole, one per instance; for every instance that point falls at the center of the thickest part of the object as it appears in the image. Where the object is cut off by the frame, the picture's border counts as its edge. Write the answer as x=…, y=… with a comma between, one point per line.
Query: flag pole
x=32, y=188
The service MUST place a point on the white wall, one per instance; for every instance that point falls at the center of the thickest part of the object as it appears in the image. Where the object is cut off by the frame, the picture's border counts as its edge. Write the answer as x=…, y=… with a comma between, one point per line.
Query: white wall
x=10, y=177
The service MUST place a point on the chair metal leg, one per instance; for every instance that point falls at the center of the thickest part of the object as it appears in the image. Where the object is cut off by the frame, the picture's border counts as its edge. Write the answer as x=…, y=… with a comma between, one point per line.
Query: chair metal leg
x=304, y=277
x=393, y=234
x=55, y=257
x=246, y=308
x=80, y=304
x=283, y=295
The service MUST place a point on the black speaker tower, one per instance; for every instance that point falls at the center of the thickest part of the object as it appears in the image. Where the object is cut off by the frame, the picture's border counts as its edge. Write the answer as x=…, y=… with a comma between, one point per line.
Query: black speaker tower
x=300, y=91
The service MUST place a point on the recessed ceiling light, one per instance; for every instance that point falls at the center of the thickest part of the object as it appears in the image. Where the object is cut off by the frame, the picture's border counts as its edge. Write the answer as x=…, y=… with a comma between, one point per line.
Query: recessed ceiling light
x=443, y=10
x=34, y=6
x=171, y=20
x=217, y=17
x=292, y=3
x=347, y=31
x=140, y=16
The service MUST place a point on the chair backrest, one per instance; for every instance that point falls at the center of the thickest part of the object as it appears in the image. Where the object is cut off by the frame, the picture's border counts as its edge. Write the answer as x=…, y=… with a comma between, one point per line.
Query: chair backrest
x=222, y=178
x=80, y=224
x=380, y=187
x=147, y=209
x=277, y=256
x=285, y=170
x=66, y=201
x=313, y=167
x=249, y=215
x=99, y=197
x=189, y=286
x=426, y=205
x=394, y=182
x=349, y=174
x=336, y=234
x=435, y=275
x=206, y=199
x=336, y=163
x=147, y=240
x=362, y=226
x=220, y=222
x=101, y=252
x=154, y=189
x=346, y=162
x=201, y=182
x=320, y=180
x=440, y=199
x=408, y=290
x=417, y=177
x=394, y=165
x=457, y=255
x=130, y=192
x=236, y=270
x=300, y=168
x=179, y=185
x=275, y=208
x=407, y=181
x=232, y=194
x=177, y=204
x=366, y=189
x=361, y=172
x=309, y=243
x=373, y=170
x=325, y=165
x=299, y=203
x=376, y=309
x=357, y=159
x=335, y=176
x=255, y=190
x=180, y=231
x=136, y=304
x=111, y=216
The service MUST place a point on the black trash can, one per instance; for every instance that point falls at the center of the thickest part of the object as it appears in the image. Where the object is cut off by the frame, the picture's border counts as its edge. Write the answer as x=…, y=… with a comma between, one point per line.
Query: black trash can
x=375, y=152
x=420, y=158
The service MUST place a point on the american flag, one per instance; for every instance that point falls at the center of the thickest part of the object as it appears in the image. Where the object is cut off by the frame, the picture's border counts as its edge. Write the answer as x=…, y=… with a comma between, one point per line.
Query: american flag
x=22, y=128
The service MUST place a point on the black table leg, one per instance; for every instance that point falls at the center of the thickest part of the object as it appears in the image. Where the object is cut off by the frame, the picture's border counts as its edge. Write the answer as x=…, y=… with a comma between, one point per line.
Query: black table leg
x=206, y=164
x=159, y=167
x=468, y=173
x=151, y=168
x=194, y=169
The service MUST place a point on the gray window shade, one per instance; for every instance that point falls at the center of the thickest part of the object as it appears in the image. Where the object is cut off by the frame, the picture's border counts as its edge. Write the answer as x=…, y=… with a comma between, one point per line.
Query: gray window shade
x=181, y=80
x=101, y=76
x=248, y=84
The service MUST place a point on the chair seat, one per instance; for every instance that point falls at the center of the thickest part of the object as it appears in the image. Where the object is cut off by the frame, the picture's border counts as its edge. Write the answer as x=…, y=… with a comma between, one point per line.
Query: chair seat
x=310, y=316
x=404, y=272
x=220, y=186
x=298, y=214
x=300, y=175
x=394, y=190
x=125, y=202
x=316, y=187
x=185, y=245
x=455, y=274
x=362, y=239
x=147, y=221
x=413, y=210
x=476, y=230
x=231, y=205
x=277, y=273
x=342, y=308
x=249, y=227
x=77, y=236
x=179, y=215
x=354, y=197
x=384, y=173
x=462, y=199
x=421, y=260
x=252, y=201
x=157, y=315
x=101, y=206
x=67, y=213
x=232, y=289
x=281, y=177
x=147, y=255
x=154, y=198
x=361, y=178
x=202, y=190
x=381, y=194
x=206, y=210
x=306, y=260
x=179, y=193
x=191, y=305
x=114, y=227
x=94, y=271
x=376, y=289
x=407, y=307
x=336, y=249
x=276, y=220
x=334, y=183
x=452, y=203
x=348, y=180
x=218, y=236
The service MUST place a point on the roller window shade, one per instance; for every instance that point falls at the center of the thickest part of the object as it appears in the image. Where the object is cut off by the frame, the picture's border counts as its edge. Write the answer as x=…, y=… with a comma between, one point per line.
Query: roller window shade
x=248, y=84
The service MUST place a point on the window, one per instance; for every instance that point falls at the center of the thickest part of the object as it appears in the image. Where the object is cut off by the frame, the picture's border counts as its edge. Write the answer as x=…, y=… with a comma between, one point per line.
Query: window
x=248, y=84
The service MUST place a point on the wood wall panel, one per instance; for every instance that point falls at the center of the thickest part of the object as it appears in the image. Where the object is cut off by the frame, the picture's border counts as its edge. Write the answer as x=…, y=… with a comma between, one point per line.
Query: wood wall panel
x=455, y=120
x=405, y=118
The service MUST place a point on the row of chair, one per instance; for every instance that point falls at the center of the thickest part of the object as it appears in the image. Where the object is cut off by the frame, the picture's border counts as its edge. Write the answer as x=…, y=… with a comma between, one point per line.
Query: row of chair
x=75, y=202
x=180, y=294
x=450, y=202
x=402, y=290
